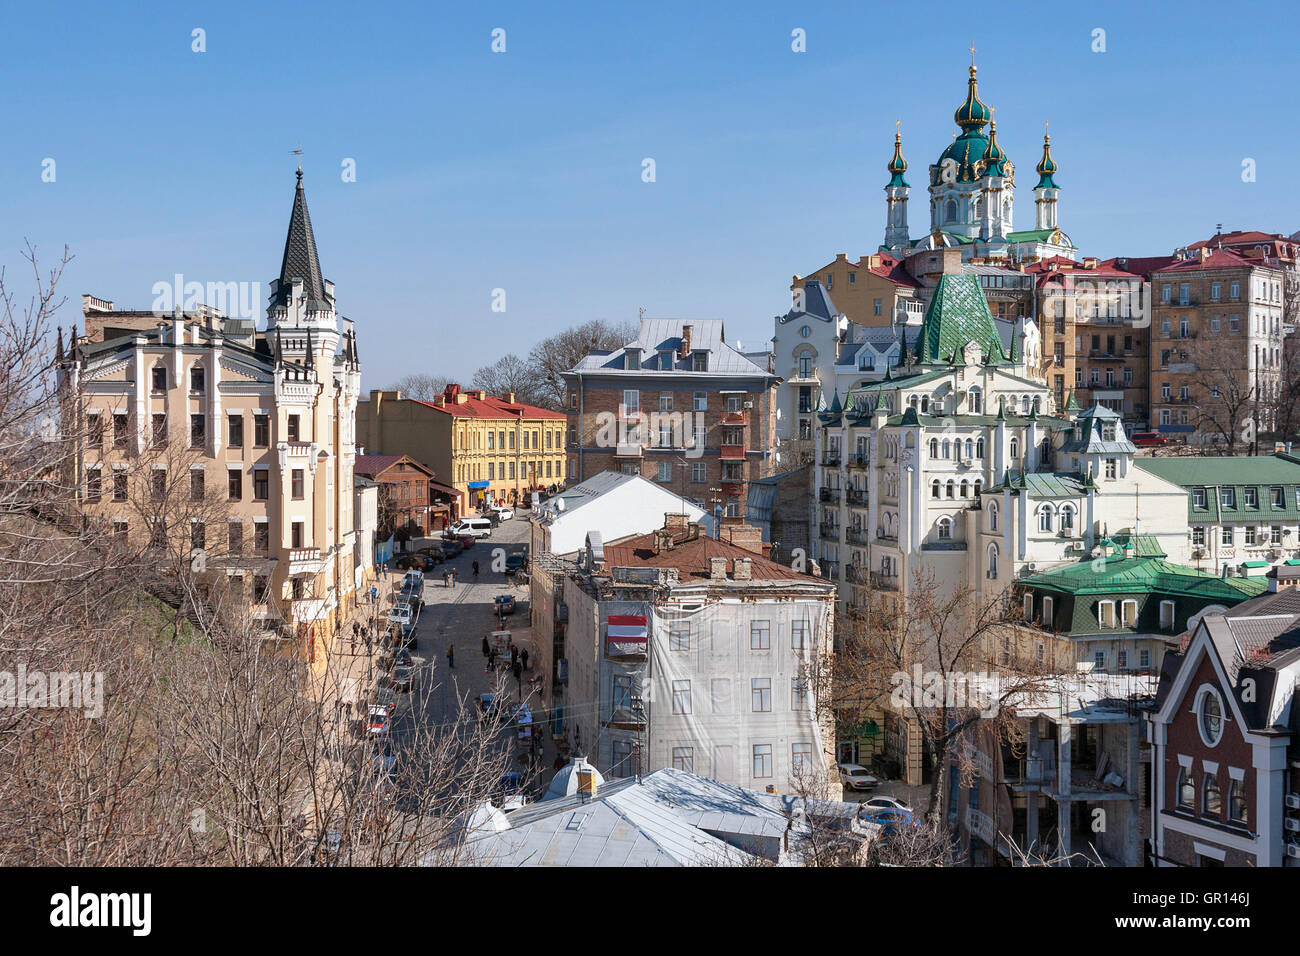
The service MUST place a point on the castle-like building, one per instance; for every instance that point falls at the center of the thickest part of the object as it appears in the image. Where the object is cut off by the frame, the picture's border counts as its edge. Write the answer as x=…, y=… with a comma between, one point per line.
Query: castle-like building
x=972, y=196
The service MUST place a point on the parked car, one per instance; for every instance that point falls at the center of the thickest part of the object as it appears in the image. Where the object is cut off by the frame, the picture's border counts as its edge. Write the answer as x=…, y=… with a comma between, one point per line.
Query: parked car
x=489, y=707
x=405, y=562
x=384, y=697
x=451, y=549
x=379, y=721
x=414, y=577
x=855, y=777
x=398, y=657
x=475, y=527
x=883, y=803
x=515, y=562
x=502, y=512
x=466, y=541
x=1149, y=439
x=402, y=615
x=890, y=821
x=505, y=604
x=403, y=677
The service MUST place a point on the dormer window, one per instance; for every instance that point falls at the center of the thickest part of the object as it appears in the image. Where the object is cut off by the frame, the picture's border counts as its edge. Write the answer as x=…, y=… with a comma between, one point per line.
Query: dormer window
x=700, y=361
x=666, y=361
x=633, y=357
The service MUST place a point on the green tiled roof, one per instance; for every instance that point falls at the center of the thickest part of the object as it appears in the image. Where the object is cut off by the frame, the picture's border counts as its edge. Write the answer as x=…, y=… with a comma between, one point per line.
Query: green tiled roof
x=1046, y=485
x=958, y=313
x=1142, y=574
x=1142, y=545
x=1262, y=473
x=1030, y=235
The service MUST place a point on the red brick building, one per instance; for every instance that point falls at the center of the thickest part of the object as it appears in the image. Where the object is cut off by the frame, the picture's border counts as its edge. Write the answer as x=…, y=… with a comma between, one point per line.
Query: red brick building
x=677, y=405
x=1225, y=787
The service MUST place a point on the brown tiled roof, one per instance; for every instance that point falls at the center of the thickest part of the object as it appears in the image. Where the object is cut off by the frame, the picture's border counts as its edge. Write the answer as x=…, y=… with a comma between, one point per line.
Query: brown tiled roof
x=691, y=558
x=372, y=466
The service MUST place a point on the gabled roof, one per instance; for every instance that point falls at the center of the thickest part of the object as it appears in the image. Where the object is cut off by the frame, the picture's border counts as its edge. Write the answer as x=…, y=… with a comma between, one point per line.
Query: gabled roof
x=489, y=406
x=1142, y=575
x=300, y=260
x=372, y=466
x=659, y=335
x=817, y=304
x=691, y=558
x=1217, y=259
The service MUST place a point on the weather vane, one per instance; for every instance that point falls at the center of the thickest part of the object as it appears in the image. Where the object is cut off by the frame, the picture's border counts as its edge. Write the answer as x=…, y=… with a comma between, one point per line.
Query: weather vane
x=298, y=152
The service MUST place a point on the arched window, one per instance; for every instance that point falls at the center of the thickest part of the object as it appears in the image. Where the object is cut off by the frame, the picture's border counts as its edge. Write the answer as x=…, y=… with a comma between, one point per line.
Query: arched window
x=945, y=529
x=1067, y=517
x=979, y=483
x=964, y=488
x=934, y=488
x=979, y=448
x=925, y=404
x=949, y=488
x=1024, y=404
x=1038, y=404
x=993, y=516
x=1045, y=518
x=976, y=401
x=970, y=448
x=1186, y=788
x=934, y=448
x=947, y=448
x=950, y=211
x=993, y=560
x=1015, y=448
x=913, y=401
x=1211, y=805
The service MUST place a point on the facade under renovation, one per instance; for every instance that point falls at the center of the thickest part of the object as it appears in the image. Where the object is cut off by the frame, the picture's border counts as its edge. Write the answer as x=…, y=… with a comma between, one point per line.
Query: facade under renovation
x=700, y=654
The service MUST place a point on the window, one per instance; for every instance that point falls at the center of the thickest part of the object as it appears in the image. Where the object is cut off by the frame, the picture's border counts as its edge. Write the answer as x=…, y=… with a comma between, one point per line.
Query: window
x=1211, y=804
x=1049, y=605
x=261, y=484
x=1277, y=497
x=945, y=528
x=681, y=697
x=119, y=431
x=262, y=536
x=119, y=486
x=297, y=534
x=1028, y=609
x=1250, y=497
x=235, y=537
x=1045, y=518
x=296, y=484
x=295, y=427
x=799, y=631
x=159, y=378
x=1144, y=658
x=1234, y=323
x=622, y=751
x=993, y=516
x=1099, y=660
x=1275, y=534
x=261, y=431
x=762, y=760
x=1112, y=467
x=1237, y=801
x=1198, y=536
x=196, y=484
x=679, y=637
x=196, y=378
x=198, y=430
x=801, y=759
x=1128, y=612
x=1186, y=789
x=760, y=690
x=760, y=635
x=1067, y=518
x=1167, y=615
x=798, y=693
x=700, y=402
x=665, y=471
x=198, y=536
x=159, y=430
x=1209, y=716
x=94, y=484
x=1225, y=536
x=1198, y=497
x=1106, y=613
x=1251, y=535
x=684, y=759
x=94, y=429
x=698, y=473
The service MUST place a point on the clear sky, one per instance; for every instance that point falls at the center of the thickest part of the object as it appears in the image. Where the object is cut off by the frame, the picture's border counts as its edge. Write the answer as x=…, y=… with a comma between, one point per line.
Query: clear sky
x=522, y=170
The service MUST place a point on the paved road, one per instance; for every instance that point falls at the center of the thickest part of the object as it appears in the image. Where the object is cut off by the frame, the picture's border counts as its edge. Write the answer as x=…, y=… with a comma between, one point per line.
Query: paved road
x=460, y=616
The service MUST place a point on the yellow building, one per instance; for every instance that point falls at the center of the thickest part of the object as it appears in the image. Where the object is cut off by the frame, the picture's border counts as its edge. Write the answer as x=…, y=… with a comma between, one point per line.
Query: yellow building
x=489, y=449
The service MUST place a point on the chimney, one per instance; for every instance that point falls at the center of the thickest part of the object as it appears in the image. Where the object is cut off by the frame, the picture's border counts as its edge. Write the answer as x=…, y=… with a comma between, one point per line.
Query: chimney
x=508, y=398
x=745, y=536
x=663, y=540
x=586, y=775
x=674, y=521
x=686, y=341
x=743, y=569
x=717, y=569
x=1205, y=253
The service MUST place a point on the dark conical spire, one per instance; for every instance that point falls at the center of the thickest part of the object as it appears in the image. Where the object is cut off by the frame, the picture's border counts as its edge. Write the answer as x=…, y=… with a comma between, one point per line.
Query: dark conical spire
x=300, y=258
x=58, y=346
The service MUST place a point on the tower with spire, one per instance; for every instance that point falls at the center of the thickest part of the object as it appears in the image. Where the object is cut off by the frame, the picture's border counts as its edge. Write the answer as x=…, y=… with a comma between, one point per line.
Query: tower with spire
x=896, y=194
x=302, y=299
x=1046, y=190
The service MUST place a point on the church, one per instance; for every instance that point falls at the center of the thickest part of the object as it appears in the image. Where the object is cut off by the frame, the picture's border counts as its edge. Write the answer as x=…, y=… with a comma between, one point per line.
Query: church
x=972, y=196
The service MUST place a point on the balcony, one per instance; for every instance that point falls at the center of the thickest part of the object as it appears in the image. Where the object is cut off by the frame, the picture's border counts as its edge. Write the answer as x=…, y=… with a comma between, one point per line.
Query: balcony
x=304, y=561
x=733, y=489
x=857, y=536
x=732, y=452
x=831, y=570
x=829, y=532
x=857, y=574
x=825, y=494
x=884, y=582
x=831, y=459
x=628, y=450
x=735, y=418
x=859, y=461
x=629, y=717
x=857, y=497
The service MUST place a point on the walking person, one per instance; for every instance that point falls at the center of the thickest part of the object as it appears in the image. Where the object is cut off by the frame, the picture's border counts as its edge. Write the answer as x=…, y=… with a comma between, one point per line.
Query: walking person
x=475, y=569
x=486, y=647
x=523, y=656
x=451, y=657
x=519, y=675
x=492, y=659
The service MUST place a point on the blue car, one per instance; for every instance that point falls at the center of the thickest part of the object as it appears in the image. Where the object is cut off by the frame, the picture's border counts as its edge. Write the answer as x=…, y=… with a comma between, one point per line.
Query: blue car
x=890, y=821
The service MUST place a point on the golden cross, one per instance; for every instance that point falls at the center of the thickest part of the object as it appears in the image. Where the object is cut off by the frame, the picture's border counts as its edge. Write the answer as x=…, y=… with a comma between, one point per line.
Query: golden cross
x=898, y=125
x=972, y=52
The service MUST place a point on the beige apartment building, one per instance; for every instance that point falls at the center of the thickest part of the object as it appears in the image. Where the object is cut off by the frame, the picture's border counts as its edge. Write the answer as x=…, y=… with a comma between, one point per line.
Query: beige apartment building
x=490, y=449
x=230, y=448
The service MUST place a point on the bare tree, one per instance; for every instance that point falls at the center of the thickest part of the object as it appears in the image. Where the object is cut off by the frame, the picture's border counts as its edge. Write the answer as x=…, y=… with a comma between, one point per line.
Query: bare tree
x=511, y=374
x=1223, y=398
x=554, y=356
x=421, y=387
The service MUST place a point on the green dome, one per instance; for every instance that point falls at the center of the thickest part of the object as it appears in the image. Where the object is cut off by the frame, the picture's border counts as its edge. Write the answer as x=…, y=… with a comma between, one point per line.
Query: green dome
x=897, y=165
x=995, y=160
x=1046, y=166
x=967, y=151
x=972, y=115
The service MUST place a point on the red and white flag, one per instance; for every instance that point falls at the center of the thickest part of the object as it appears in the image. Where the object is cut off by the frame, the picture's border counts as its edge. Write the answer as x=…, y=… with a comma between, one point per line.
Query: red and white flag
x=627, y=629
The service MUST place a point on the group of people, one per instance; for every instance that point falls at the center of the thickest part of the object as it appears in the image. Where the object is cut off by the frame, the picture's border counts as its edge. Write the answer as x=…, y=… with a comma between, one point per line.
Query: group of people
x=518, y=659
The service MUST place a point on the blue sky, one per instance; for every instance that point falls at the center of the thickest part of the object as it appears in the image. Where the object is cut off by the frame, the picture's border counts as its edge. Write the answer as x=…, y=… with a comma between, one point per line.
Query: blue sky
x=522, y=170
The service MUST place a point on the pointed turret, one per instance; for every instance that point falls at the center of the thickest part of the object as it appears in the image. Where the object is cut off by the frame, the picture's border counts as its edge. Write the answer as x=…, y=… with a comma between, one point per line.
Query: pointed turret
x=58, y=346
x=995, y=159
x=1046, y=191
x=898, y=165
x=1046, y=166
x=896, y=191
x=301, y=261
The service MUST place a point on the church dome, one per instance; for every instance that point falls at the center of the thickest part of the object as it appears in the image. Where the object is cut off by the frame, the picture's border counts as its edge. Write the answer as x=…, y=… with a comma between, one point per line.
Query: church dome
x=897, y=165
x=995, y=160
x=973, y=114
x=967, y=151
x=1046, y=166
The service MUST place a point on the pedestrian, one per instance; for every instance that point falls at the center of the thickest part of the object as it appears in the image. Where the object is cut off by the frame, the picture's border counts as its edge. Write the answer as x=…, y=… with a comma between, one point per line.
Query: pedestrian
x=514, y=654
x=523, y=656
x=486, y=646
x=475, y=569
x=374, y=595
x=451, y=657
x=492, y=658
x=519, y=674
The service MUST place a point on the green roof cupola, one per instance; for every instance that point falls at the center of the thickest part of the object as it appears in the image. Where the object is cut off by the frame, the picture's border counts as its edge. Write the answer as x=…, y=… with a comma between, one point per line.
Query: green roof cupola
x=897, y=165
x=972, y=115
x=994, y=158
x=1046, y=166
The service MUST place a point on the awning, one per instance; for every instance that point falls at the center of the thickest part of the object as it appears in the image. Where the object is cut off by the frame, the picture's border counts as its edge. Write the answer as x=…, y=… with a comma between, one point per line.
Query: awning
x=476, y=485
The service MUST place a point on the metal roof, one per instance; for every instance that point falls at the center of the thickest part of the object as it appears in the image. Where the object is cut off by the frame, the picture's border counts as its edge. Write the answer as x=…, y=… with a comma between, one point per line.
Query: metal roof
x=659, y=335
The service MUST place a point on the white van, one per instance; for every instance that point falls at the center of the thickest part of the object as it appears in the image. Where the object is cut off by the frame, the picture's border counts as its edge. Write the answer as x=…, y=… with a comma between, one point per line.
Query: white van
x=474, y=527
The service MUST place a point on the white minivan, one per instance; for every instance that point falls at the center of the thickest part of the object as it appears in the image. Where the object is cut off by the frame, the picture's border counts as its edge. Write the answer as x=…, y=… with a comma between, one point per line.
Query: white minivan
x=474, y=527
